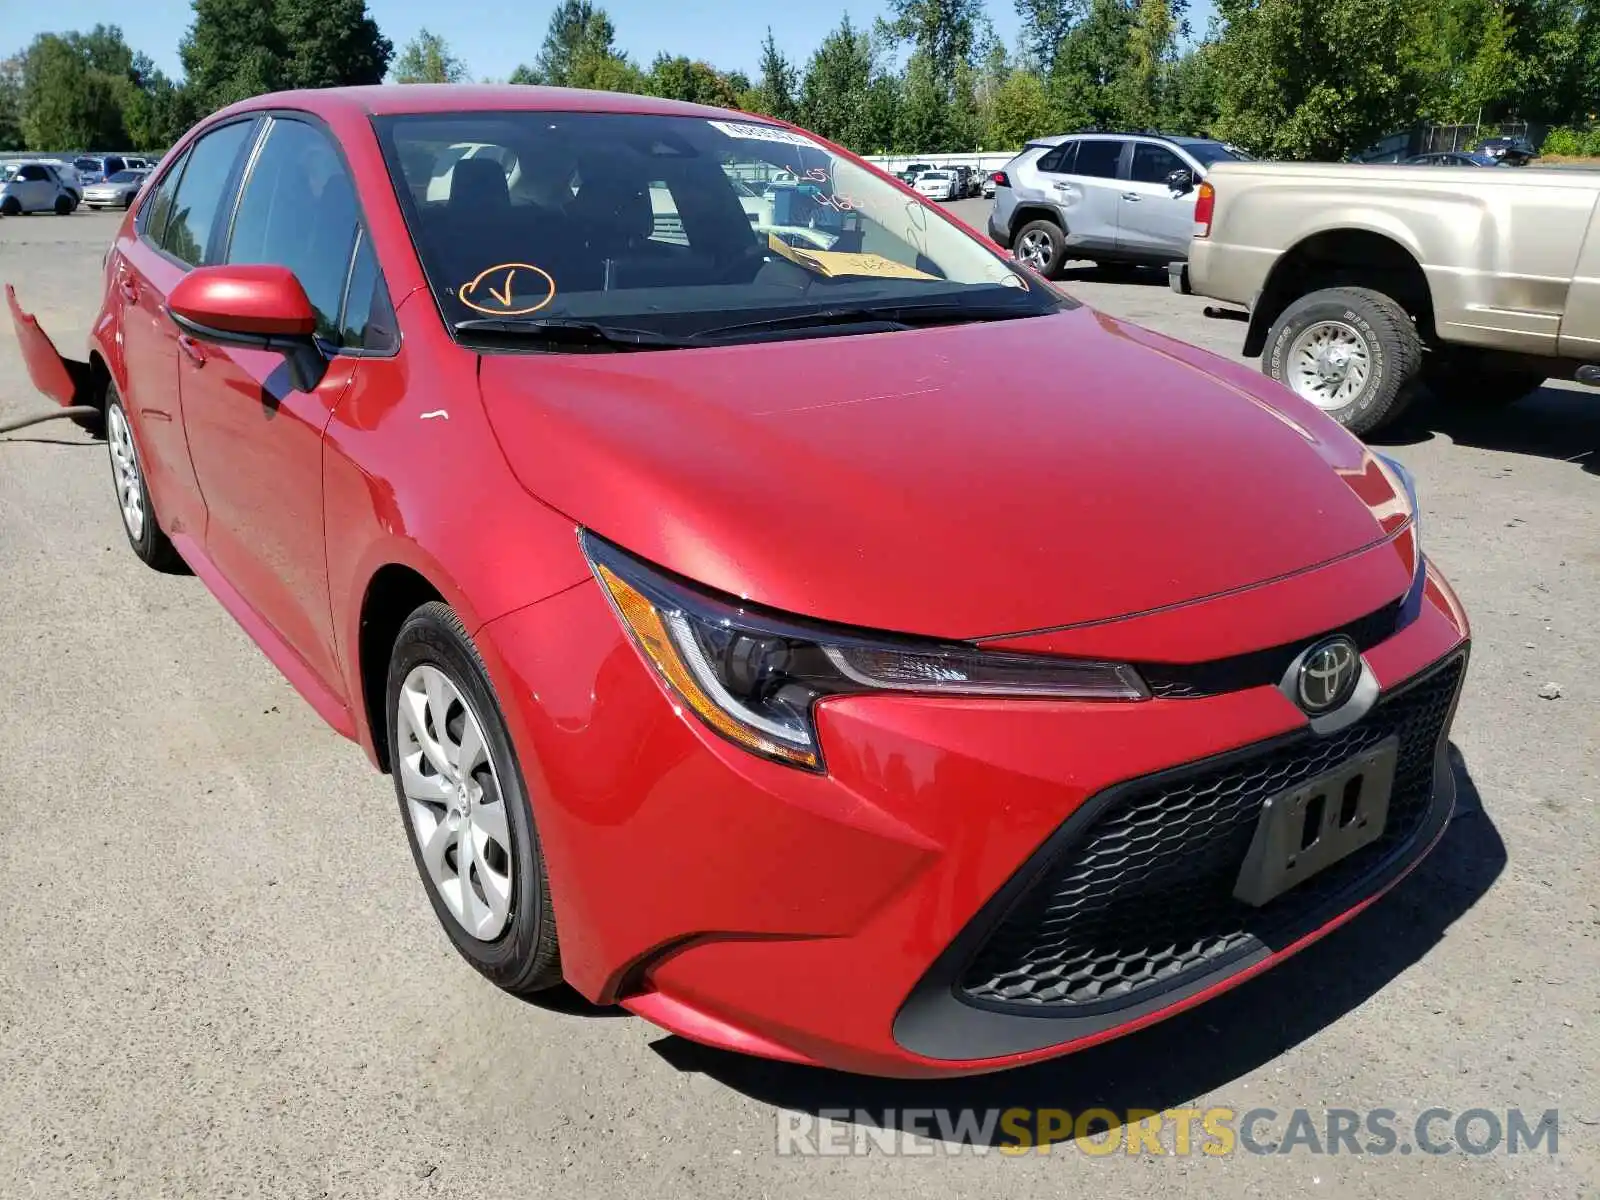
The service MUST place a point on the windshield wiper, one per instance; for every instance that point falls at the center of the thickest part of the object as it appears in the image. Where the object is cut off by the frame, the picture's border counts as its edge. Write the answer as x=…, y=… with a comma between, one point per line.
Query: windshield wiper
x=887, y=316
x=572, y=332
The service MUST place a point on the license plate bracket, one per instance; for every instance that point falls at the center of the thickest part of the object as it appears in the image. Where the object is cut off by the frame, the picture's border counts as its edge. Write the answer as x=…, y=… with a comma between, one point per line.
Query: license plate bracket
x=1310, y=827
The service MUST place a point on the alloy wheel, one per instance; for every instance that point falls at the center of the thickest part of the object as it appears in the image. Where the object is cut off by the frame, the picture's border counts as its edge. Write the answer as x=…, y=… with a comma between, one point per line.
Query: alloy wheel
x=455, y=802
x=1329, y=364
x=125, y=472
x=1034, y=249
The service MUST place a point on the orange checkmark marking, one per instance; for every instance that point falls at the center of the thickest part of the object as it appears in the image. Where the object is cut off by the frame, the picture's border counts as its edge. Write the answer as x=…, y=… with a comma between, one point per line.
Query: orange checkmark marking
x=505, y=296
x=501, y=302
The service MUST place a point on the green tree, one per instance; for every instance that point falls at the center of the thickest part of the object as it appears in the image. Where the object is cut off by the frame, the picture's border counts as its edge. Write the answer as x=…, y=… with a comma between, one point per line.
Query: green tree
x=66, y=102
x=241, y=48
x=1316, y=80
x=1191, y=100
x=11, y=135
x=578, y=36
x=1088, y=83
x=1151, y=42
x=331, y=43
x=1021, y=111
x=680, y=78
x=836, y=92
x=775, y=94
x=1045, y=25
x=427, y=59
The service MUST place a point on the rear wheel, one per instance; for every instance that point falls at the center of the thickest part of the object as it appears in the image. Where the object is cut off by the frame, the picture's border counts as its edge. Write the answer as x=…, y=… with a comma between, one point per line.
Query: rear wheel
x=63, y=206
x=1352, y=352
x=465, y=807
x=133, y=496
x=1040, y=245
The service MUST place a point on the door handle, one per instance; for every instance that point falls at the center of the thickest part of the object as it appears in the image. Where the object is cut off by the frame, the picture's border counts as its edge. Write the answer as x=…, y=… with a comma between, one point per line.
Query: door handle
x=192, y=348
x=1132, y=197
x=129, y=290
x=1062, y=187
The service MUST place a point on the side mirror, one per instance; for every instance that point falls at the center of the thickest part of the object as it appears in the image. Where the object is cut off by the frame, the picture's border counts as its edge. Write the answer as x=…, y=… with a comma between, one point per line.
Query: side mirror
x=259, y=307
x=1181, y=180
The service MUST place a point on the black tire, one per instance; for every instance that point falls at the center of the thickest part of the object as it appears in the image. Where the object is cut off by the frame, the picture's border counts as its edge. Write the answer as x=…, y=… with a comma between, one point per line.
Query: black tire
x=63, y=206
x=150, y=543
x=525, y=957
x=11, y=206
x=1393, y=346
x=1051, y=236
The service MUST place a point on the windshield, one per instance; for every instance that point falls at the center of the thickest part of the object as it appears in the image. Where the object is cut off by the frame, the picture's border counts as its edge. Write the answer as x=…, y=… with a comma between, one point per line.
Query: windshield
x=1206, y=153
x=672, y=226
x=86, y=164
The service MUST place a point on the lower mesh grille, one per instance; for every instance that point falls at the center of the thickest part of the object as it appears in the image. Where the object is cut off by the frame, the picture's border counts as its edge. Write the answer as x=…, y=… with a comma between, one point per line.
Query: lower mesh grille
x=1145, y=896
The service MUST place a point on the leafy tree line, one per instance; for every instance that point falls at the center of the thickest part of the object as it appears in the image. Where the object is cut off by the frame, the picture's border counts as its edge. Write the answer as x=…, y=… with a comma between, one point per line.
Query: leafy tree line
x=1287, y=78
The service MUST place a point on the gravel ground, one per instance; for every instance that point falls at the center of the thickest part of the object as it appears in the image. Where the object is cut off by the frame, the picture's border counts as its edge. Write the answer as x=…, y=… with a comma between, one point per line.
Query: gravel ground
x=221, y=975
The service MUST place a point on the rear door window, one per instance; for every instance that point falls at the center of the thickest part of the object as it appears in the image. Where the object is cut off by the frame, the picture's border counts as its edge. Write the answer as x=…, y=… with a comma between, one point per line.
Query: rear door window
x=153, y=218
x=1098, y=159
x=1060, y=160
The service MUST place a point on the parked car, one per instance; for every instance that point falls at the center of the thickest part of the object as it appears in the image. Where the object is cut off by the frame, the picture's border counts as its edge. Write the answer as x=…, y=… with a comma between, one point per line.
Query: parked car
x=1103, y=197
x=1454, y=158
x=963, y=181
x=30, y=187
x=1369, y=284
x=1513, y=151
x=989, y=184
x=697, y=688
x=937, y=185
x=97, y=168
x=909, y=175
x=115, y=192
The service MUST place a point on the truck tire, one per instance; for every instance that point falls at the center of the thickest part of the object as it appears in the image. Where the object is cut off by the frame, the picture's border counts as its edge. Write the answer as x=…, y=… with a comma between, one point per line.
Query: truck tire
x=1041, y=245
x=1351, y=351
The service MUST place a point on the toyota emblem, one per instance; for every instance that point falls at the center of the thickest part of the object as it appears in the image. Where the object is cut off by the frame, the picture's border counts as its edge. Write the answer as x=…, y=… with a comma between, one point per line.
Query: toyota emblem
x=1328, y=675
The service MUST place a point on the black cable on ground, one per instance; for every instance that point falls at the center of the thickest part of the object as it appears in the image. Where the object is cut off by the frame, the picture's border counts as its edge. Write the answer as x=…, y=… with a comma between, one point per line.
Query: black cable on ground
x=77, y=410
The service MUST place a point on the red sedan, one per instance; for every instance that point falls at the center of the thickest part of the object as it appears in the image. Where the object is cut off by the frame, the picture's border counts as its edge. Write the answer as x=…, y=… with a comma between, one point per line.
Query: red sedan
x=780, y=613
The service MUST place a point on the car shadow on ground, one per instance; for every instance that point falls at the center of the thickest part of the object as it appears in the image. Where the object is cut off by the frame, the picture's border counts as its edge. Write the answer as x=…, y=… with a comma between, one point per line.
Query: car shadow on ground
x=1561, y=423
x=1085, y=272
x=1190, y=1055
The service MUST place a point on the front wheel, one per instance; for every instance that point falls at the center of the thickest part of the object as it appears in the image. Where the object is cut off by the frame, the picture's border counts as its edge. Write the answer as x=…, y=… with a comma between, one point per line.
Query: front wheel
x=1040, y=245
x=465, y=807
x=1352, y=352
x=11, y=207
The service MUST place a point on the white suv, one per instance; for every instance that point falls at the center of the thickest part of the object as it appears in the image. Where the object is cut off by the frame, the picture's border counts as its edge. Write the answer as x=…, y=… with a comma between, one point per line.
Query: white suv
x=1105, y=197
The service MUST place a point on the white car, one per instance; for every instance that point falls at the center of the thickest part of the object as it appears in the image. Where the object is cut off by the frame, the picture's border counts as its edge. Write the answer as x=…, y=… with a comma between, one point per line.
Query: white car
x=27, y=187
x=936, y=185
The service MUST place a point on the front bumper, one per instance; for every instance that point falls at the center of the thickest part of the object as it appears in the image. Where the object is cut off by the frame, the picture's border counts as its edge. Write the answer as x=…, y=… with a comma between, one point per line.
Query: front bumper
x=837, y=919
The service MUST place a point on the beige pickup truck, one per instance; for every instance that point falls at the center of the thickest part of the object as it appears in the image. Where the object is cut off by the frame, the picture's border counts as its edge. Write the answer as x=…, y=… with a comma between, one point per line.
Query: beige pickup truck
x=1366, y=284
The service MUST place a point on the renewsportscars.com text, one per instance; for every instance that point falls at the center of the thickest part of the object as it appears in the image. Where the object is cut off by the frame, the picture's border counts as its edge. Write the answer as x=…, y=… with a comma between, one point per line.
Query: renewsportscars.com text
x=1213, y=1132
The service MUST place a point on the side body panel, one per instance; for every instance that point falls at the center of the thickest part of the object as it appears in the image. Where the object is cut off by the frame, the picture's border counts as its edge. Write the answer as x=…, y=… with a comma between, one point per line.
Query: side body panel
x=1499, y=247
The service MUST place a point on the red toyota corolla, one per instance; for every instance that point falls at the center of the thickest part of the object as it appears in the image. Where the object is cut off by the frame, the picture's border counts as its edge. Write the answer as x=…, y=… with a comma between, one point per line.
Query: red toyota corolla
x=780, y=614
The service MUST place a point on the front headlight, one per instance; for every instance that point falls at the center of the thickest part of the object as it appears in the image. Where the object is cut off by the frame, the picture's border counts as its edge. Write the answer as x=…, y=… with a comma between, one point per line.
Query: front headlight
x=754, y=677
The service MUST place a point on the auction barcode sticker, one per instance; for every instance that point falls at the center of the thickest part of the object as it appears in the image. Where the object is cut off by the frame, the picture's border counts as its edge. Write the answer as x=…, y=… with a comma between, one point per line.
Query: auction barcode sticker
x=751, y=131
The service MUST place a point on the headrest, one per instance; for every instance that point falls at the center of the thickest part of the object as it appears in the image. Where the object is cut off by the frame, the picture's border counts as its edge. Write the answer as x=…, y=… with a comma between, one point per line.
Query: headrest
x=479, y=185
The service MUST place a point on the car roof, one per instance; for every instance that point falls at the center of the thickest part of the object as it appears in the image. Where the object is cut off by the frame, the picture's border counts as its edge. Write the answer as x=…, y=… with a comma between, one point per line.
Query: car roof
x=383, y=100
x=1176, y=139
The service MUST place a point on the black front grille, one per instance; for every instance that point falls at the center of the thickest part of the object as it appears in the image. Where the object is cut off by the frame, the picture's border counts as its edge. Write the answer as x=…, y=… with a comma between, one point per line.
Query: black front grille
x=1263, y=668
x=1143, y=899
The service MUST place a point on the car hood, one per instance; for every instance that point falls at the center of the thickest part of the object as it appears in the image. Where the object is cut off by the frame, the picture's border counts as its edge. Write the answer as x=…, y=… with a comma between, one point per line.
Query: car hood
x=957, y=482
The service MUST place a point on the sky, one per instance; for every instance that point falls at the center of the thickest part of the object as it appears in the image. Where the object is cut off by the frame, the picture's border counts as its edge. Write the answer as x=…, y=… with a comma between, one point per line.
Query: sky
x=497, y=36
